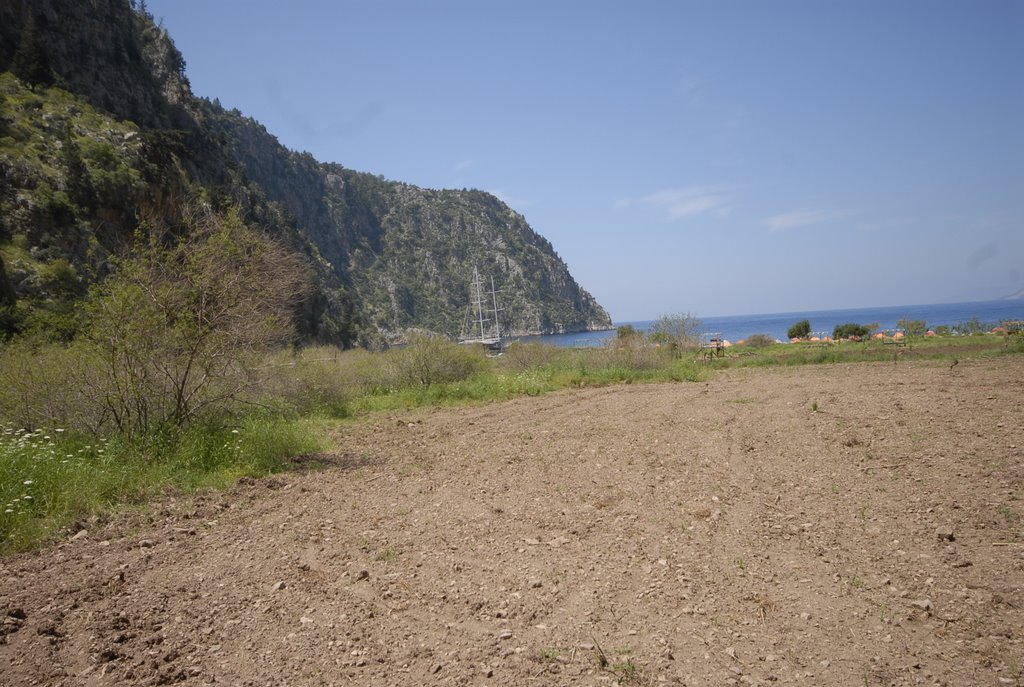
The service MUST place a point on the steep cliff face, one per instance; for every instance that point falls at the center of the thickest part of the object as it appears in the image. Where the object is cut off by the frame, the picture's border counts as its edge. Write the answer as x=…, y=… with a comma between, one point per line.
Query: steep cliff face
x=388, y=256
x=409, y=252
x=413, y=252
x=105, y=52
x=294, y=180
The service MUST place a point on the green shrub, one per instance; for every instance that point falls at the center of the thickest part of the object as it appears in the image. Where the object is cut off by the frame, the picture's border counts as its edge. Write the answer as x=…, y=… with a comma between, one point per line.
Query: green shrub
x=845, y=331
x=800, y=330
x=973, y=326
x=53, y=210
x=912, y=327
x=60, y=279
x=626, y=331
x=100, y=153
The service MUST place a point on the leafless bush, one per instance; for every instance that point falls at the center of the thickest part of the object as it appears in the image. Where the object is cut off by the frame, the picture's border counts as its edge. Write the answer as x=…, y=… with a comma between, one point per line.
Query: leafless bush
x=178, y=327
x=758, y=341
x=49, y=386
x=521, y=357
x=424, y=360
x=676, y=332
x=314, y=378
x=633, y=353
x=639, y=358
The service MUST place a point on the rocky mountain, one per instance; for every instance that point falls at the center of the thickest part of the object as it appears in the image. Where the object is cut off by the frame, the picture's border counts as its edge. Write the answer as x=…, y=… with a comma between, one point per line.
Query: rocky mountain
x=99, y=130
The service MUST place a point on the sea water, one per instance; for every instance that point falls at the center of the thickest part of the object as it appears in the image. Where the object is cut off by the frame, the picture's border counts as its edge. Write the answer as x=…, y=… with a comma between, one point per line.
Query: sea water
x=736, y=327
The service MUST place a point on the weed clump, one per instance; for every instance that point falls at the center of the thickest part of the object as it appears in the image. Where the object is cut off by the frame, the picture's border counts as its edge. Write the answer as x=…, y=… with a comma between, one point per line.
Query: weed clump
x=424, y=361
x=757, y=341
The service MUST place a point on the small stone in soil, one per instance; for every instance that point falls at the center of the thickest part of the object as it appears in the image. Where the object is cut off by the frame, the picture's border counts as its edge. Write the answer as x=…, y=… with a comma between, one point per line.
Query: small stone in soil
x=278, y=586
x=945, y=534
x=536, y=584
x=923, y=604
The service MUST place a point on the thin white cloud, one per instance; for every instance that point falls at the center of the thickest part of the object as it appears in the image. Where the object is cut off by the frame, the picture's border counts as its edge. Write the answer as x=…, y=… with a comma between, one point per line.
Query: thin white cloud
x=804, y=218
x=681, y=203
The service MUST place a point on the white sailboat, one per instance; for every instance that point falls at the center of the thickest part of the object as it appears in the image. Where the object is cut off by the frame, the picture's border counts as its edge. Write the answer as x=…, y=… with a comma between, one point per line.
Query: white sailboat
x=481, y=326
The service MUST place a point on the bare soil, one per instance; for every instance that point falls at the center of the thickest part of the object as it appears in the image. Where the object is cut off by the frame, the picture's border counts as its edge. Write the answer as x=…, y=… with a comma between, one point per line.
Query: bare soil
x=689, y=534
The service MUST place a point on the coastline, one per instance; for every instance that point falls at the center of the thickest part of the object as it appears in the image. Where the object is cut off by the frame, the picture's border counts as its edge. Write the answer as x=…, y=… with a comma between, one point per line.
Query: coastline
x=735, y=327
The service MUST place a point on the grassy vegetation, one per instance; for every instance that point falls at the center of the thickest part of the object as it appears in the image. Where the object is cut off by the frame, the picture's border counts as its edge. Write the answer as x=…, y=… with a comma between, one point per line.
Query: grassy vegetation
x=49, y=478
x=53, y=474
x=923, y=348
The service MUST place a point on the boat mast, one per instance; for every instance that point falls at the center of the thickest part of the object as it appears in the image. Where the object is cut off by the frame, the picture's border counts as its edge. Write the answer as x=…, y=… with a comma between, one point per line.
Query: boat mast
x=478, y=300
x=497, y=322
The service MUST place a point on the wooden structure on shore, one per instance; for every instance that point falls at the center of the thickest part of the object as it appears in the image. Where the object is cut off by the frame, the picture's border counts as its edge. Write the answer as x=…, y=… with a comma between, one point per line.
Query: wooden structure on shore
x=712, y=345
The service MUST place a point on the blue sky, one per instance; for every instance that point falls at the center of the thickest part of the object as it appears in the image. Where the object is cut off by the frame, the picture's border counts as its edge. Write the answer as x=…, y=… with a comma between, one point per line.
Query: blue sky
x=713, y=157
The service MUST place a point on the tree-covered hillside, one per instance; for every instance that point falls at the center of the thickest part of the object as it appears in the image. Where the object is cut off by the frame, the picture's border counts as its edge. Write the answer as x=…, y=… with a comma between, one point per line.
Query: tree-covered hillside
x=100, y=135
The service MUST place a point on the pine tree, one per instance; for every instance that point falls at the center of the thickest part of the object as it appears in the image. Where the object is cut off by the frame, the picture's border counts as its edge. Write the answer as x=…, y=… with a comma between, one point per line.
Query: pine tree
x=8, y=301
x=7, y=296
x=31, y=63
x=78, y=183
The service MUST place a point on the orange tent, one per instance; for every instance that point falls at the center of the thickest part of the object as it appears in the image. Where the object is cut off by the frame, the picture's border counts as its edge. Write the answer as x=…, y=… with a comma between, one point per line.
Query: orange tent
x=879, y=335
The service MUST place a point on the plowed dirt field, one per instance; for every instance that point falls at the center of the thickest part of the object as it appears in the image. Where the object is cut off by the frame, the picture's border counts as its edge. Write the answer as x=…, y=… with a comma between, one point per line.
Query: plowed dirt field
x=857, y=524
